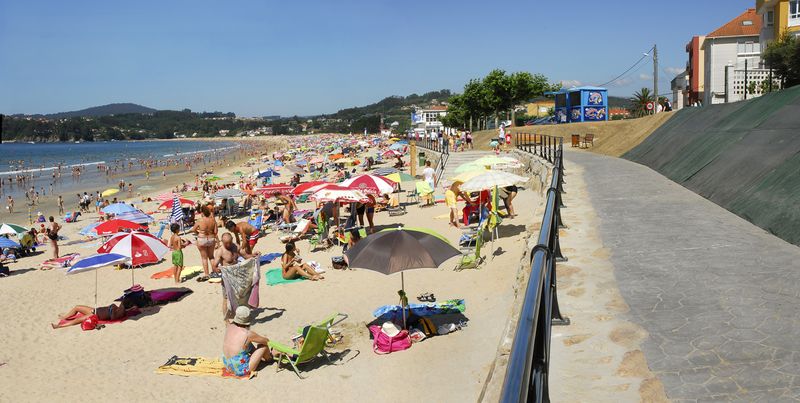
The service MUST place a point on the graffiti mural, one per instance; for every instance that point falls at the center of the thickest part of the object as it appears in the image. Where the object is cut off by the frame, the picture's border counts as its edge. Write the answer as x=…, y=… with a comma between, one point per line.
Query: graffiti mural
x=595, y=98
x=575, y=115
x=594, y=113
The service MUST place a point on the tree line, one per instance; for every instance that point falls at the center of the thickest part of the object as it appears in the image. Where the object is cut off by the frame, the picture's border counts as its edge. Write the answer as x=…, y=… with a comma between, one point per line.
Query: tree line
x=493, y=97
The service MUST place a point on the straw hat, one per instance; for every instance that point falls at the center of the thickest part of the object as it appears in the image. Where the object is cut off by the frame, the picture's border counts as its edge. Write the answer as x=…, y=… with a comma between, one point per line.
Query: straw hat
x=242, y=316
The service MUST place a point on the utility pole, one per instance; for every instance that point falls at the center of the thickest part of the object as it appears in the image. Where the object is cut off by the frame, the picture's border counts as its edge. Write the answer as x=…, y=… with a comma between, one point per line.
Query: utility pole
x=745, y=79
x=655, y=78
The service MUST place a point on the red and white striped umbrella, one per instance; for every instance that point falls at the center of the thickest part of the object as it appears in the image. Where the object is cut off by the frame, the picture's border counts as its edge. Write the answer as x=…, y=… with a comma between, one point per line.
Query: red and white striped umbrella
x=141, y=247
x=391, y=153
x=370, y=184
x=111, y=227
x=167, y=205
x=306, y=187
x=274, y=189
x=339, y=194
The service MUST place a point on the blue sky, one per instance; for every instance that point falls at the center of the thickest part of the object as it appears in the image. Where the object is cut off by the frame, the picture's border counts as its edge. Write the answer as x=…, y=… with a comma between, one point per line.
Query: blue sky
x=306, y=57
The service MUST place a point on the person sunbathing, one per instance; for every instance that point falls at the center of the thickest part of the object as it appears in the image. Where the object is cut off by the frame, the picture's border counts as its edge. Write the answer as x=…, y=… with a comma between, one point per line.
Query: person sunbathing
x=243, y=349
x=293, y=266
x=105, y=313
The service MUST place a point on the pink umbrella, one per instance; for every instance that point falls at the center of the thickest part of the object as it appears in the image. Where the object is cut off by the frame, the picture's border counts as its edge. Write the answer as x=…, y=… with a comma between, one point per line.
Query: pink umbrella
x=141, y=247
x=165, y=196
x=370, y=184
x=391, y=153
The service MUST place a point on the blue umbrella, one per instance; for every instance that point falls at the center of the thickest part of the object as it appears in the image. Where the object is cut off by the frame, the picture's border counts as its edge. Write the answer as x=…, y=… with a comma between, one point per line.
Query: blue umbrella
x=301, y=163
x=7, y=243
x=397, y=146
x=97, y=261
x=136, y=216
x=118, y=208
x=269, y=173
x=385, y=171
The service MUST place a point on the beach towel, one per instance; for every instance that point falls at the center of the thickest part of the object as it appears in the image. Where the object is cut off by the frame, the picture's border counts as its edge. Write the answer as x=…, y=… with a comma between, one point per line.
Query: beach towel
x=167, y=295
x=241, y=282
x=394, y=312
x=269, y=257
x=62, y=262
x=275, y=277
x=189, y=270
x=197, y=366
x=131, y=313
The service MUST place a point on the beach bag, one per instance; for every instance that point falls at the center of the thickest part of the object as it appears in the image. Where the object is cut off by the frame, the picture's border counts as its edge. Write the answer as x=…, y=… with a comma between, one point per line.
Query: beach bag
x=90, y=323
x=338, y=263
x=384, y=344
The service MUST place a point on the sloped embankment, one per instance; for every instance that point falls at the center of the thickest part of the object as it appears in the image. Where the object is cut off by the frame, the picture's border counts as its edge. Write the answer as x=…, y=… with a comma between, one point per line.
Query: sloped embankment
x=743, y=156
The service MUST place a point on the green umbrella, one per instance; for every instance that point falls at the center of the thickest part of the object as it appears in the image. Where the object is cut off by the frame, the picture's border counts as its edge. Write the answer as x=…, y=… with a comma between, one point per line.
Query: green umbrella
x=423, y=188
x=193, y=194
x=470, y=167
x=399, y=177
x=238, y=173
x=213, y=178
x=12, y=229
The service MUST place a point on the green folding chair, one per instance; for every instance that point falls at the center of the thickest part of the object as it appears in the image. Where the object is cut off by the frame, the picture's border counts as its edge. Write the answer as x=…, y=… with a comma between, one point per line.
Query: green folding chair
x=315, y=337
x=471, y=258
x=322, y=233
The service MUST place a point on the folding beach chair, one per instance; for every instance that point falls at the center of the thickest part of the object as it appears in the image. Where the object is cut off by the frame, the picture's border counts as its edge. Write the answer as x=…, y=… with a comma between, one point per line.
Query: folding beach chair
x=314, y=339
x=470, y=246
x=321, y=236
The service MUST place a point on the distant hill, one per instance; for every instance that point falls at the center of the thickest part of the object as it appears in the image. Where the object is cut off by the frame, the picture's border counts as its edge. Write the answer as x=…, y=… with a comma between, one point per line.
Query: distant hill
x=618, y=102
x=97, y=111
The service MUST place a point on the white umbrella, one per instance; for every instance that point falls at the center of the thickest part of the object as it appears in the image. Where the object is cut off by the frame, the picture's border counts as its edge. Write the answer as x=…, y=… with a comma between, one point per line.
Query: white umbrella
x=490, y=180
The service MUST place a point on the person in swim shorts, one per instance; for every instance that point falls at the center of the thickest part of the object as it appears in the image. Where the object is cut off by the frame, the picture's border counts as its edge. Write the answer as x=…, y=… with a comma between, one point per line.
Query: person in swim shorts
x=176, y=244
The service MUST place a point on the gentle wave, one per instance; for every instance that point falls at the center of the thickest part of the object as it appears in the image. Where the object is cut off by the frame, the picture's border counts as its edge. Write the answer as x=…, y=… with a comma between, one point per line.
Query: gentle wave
x=47, y=169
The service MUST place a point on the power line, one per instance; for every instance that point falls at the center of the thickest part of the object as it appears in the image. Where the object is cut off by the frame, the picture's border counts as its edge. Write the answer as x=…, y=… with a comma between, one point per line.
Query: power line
x=644, y=56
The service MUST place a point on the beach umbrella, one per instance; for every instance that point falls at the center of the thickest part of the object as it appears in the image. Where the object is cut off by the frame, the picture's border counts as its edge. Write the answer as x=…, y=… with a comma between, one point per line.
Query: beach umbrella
x=397, y=147
x=213, y=178
x=140, y=247
x=228, y=193
x=301, y=163
x=335, y=157
x=12, y=229
x=138, y=216
x=384, y=171
x=492, y=179
x=268, y=173
x=391, y=153
x=177, y=212
x=495, y=160
x=370, y=184
x=338, y=194
x=400, y=249
x=316, y=160
x=95, y=262
x=275, y=188
x=113, y=226
x=239, y=173
x=118, y=208
x=465, y=176
x=167, y=204
x=470, y=167
x=7, y=243
x=296, y=170
x=165, y=196
x=193, y=194
x=109, y=192
x=399, y=177
x=423, y=188
x=89, y=230
x=304, y=187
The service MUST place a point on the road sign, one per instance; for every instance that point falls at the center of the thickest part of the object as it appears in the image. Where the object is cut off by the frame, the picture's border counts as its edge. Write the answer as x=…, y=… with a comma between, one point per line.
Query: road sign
x=649, y=106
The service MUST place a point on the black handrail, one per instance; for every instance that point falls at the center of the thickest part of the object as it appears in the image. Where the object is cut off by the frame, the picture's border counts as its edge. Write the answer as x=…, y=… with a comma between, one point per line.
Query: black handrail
x=528, y=363
x=441, y=148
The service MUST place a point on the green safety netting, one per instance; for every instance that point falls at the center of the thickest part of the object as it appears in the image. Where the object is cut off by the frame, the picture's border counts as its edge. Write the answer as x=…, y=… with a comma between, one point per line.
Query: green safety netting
x=744, y=156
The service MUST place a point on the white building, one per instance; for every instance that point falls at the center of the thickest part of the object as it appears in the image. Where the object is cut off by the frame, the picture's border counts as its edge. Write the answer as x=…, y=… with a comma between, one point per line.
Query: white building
x=733, y=54
x=428, y=120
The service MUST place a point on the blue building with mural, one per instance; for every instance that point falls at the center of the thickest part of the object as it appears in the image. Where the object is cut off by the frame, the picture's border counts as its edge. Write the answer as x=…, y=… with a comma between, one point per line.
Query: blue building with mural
x=581, y=104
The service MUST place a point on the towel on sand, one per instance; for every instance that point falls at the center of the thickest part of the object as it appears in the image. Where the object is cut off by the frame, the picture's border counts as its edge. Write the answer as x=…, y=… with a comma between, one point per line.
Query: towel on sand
x=168, y=273
x=269, y=257
x=197, y=366
x=241, y=282
x=275, y=277
x=132, y=312
x=392, y=312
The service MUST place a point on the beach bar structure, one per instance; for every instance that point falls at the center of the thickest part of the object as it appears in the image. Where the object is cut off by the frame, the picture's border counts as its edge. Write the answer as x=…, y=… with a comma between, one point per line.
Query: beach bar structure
x=581, y=104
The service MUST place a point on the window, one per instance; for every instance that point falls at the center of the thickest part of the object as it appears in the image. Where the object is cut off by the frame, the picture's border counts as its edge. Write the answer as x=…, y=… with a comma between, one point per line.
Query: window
x=748, y=47
x=769, y=18
x=794, y=12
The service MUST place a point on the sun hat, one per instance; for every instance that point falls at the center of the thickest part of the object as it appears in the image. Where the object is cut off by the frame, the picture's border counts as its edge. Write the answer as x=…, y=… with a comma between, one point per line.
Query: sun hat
x=242, y=316
x=389, y=328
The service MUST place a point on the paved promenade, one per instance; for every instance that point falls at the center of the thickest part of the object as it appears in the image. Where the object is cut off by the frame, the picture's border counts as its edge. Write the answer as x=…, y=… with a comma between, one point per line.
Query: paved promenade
x=718, y=296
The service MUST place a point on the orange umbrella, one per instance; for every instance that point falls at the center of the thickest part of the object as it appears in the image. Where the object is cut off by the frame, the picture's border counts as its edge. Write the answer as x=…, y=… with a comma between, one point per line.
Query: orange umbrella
x=335, y=157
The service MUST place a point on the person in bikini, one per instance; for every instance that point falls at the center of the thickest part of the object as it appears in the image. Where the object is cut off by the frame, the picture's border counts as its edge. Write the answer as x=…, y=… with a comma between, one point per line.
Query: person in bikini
x=206, y=230
x=246, y=234
x=293, y=267
x=105, y=313
x=243, y=349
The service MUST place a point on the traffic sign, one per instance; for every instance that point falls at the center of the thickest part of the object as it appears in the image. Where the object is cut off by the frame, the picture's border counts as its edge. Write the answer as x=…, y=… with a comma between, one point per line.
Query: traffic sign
x=650, y=106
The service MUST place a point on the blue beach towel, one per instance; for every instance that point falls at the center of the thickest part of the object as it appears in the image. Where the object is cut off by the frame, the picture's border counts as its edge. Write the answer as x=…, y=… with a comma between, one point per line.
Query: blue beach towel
x=269, y=257
x=394, y=312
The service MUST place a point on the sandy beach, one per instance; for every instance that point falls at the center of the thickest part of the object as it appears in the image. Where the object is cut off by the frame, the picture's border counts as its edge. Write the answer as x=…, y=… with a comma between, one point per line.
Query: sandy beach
x=119, y=361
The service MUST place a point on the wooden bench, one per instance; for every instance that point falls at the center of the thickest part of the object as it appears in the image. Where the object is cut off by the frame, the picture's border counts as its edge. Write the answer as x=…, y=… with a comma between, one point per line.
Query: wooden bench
x=576, y=140
x=588, y=140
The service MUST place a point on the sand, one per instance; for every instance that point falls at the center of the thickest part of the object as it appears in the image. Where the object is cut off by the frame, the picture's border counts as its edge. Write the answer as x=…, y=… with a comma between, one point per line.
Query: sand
x=118, y=362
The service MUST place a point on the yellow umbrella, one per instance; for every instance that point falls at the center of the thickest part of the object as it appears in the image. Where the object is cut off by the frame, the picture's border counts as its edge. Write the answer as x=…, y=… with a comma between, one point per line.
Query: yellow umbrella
x=109, y=192
x=423, y=188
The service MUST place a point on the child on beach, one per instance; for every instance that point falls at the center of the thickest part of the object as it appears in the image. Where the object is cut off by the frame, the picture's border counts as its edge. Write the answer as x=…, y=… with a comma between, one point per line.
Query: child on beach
x=176, y=244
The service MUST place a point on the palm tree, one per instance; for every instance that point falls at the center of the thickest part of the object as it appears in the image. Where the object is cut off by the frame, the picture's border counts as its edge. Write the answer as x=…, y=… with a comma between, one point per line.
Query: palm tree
x=639, y=102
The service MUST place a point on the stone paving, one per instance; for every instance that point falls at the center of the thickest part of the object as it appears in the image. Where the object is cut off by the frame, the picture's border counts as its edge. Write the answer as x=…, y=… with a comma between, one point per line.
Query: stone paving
x=718, y=296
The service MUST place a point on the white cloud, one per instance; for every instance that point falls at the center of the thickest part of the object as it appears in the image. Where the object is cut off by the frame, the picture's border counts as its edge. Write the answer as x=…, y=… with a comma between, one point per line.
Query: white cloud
x=571, y=83
x=675, y=70
x=645, y=76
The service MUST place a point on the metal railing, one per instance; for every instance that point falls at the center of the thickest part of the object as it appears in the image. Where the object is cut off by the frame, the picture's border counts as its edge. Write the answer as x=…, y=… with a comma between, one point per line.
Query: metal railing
x=539, y=144
x=527, y=373
x=443, y=149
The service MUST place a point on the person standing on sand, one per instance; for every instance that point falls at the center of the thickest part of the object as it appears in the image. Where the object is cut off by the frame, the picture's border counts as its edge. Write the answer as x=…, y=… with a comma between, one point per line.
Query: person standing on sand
x=52, y=234
x=176, y=244
x=226, y=255
x=10, y=204
x=451, y=200
x=429, y=173
x=206, y=230
x=60, y=205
